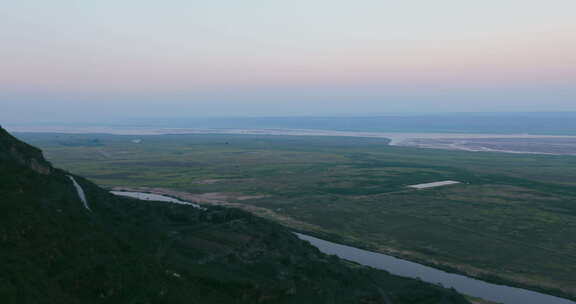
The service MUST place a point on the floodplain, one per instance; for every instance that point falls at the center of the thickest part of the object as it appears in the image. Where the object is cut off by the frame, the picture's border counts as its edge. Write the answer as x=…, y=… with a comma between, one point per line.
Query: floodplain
x=511, y=220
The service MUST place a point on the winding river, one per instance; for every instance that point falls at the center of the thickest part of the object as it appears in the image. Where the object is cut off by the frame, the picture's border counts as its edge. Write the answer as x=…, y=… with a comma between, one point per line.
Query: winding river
x=465, y=285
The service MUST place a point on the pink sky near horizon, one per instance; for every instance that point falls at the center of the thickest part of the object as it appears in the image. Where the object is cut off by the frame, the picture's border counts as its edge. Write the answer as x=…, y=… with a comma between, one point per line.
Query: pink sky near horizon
x=473, y=64
x=147, y=48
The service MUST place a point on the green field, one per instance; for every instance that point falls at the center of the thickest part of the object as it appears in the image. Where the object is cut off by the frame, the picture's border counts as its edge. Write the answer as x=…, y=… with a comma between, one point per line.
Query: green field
x=514, y=216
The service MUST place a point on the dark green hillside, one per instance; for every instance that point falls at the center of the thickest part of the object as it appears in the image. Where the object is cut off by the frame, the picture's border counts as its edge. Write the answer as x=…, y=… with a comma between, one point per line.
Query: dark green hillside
x=54, y=250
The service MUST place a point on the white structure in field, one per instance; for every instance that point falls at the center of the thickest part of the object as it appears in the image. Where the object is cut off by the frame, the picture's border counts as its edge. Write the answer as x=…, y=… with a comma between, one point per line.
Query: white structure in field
x=433, y=185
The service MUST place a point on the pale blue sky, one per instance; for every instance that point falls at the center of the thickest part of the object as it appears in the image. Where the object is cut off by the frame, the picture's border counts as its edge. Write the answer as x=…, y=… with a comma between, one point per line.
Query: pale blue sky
x=75, y=60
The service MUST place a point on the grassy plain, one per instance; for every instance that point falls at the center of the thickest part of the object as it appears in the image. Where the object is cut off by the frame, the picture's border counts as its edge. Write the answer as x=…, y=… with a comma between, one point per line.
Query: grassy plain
x=513, y=218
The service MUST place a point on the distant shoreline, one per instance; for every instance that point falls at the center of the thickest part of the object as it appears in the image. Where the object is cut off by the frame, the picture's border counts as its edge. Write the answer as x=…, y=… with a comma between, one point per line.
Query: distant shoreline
x=472, y=142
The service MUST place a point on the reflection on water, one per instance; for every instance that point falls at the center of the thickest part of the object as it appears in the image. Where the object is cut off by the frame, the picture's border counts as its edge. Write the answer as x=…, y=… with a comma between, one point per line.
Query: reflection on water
x=465, y=285
x=154, y=197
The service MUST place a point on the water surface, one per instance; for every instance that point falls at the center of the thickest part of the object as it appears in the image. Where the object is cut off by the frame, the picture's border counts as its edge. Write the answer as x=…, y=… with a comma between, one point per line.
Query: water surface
x=465, y=285
x=154, y=197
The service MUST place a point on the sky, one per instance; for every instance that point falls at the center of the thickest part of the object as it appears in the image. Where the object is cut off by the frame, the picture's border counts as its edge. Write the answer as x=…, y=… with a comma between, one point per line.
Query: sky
x=74, y=60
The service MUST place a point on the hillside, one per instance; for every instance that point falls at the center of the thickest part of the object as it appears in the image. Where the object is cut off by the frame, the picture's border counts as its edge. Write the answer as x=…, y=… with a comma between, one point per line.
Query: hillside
x=55, y=250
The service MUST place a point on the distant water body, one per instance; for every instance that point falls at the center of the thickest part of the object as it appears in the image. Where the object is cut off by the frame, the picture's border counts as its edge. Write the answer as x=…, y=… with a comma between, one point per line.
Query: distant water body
x=498, y=293
x=543, y=123
x=473, y=142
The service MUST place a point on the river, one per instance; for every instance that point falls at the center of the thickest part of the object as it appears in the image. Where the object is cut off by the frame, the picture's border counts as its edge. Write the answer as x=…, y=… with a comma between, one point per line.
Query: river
x=155, y=197
x=465, y=285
